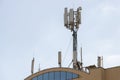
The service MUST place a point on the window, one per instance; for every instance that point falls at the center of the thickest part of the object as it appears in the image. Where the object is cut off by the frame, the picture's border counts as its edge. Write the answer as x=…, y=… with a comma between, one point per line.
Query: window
x=35, y=78
x=69, y=75
x=51, y=76
x=63, y=75
x=57, y=75
x=74, y=75
x=40, y=77
x=45, y=76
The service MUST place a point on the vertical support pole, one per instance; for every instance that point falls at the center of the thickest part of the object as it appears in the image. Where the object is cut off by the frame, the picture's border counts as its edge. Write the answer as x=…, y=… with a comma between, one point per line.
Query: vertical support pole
x=74, y=49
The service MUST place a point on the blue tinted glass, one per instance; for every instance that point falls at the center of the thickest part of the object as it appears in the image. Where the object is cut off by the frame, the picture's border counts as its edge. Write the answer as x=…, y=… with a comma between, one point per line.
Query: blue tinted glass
x=63, y=75
x=40, y=77
x=57, y=76
x=69, y=75
x=51, y=76
x=45, y=76
x=75, y=75
x=35, y=78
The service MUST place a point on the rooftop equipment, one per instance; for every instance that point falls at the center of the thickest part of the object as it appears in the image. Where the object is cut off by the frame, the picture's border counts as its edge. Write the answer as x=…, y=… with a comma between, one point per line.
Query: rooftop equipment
x=59, y=58
x=72, y=19
x=32, y=66
x=100, y=61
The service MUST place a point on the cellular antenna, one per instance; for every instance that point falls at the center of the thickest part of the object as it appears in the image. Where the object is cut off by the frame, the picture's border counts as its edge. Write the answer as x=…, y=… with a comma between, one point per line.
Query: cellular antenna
x=59, y=58
x=72, y=19
x=39, y=68
x=32, y=66
x=100, y=61
x=81, y=63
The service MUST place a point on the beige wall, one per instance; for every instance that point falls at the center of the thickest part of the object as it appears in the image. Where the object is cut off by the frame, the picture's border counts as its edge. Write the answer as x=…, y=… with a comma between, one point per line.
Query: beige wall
x=105, y=74
x=112, y=73
x=97, y=74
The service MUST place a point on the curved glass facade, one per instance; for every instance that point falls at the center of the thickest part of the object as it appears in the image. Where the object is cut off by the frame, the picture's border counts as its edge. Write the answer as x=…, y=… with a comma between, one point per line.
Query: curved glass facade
x=58, y=75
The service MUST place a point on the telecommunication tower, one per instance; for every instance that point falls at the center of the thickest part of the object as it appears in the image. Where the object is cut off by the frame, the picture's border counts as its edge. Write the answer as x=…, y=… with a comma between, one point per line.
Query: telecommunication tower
x=72, y=19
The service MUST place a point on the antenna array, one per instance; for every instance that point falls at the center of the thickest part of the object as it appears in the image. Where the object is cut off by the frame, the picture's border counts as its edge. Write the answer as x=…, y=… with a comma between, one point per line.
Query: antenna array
x=72, y=19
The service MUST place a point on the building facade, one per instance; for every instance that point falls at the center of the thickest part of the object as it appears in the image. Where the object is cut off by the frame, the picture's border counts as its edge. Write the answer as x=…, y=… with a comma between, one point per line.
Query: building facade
x=92, y=73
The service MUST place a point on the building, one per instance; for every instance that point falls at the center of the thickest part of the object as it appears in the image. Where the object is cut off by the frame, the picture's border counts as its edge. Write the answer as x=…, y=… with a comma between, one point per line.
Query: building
x=78, y=72
x=60, y=73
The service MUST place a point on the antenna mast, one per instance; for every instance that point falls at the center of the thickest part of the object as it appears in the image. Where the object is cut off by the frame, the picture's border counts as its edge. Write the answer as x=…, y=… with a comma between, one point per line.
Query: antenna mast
x=72, y=19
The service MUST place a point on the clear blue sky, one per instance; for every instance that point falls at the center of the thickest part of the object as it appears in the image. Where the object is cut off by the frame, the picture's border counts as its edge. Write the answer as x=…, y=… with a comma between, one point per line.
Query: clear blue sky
x=35, y=28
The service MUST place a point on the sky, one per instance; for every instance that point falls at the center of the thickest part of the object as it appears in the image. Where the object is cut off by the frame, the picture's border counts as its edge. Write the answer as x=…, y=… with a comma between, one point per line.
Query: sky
x=35, y=28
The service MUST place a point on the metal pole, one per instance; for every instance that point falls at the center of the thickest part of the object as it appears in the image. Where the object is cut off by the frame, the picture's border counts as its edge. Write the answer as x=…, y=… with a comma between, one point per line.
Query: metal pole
x=75, y=49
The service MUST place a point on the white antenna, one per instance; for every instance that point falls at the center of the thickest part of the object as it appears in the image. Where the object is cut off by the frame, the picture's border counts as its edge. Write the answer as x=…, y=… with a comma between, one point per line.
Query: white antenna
x=78, y=17
x=39, y=68
x=32, y=66
x=81, y=59
x=66, y=17
x=59, y=58
x=100, y=61
x=71, y=19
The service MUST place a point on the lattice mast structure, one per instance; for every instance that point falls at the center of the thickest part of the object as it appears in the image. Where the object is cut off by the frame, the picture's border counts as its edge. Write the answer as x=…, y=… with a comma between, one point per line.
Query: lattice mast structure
x=72, y=19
